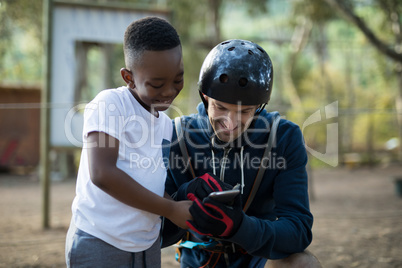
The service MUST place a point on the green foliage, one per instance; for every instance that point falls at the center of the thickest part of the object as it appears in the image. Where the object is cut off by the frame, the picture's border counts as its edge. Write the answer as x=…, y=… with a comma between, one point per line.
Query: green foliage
x=188, y=17
x=117, y=63
x=337, y=59
x=316, y=10
x=24, y=14
x=20, y=43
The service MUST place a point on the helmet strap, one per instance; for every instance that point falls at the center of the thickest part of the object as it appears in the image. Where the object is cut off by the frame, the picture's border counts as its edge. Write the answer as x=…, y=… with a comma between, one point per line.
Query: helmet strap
x=260, y=108
x=204, y=101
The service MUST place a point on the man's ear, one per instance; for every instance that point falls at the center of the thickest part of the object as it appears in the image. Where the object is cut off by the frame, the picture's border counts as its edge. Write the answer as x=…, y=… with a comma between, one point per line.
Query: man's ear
x=127, y=77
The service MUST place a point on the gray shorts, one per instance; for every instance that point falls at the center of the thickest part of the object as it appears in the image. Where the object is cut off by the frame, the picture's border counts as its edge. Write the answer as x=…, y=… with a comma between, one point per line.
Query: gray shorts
x=85, y=250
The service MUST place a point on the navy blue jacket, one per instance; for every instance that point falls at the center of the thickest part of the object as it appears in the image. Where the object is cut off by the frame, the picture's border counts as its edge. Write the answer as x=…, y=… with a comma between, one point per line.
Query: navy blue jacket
x=278, y=222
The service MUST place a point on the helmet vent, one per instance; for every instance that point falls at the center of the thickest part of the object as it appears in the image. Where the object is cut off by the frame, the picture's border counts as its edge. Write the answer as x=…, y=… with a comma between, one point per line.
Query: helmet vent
x=262, y=50
x=250, y=52
x=231, y=48
x=243, y=82
x=224, y=43
x=224, y=78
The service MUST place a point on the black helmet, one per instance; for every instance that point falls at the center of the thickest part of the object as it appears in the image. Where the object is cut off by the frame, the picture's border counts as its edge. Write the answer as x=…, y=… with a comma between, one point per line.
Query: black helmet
x=237, y=71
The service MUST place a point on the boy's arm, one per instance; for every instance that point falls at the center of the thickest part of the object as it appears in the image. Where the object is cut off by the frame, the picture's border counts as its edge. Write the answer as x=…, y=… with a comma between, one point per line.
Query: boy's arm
x=167, y=196
x=104, y=173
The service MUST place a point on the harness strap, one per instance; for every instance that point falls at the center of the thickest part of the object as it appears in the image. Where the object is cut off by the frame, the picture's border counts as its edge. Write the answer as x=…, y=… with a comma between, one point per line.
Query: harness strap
x=182, y=144
x=213, y=260
x=203, y=245
x=265, y=157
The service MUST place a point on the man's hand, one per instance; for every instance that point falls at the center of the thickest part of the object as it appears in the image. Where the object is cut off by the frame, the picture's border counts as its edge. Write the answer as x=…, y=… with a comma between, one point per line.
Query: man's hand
x=213, y=218
x=202, y=186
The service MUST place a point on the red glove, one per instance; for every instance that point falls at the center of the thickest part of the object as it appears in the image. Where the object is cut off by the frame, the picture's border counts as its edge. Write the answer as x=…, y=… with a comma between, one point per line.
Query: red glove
x=213, y=218
x=202, y=186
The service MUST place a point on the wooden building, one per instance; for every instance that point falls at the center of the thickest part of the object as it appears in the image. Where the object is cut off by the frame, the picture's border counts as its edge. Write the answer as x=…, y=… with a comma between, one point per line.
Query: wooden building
x=20, y=127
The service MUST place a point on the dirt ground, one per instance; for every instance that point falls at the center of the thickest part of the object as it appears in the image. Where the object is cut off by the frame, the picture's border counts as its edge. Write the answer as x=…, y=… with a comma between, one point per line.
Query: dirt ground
x=358, y=220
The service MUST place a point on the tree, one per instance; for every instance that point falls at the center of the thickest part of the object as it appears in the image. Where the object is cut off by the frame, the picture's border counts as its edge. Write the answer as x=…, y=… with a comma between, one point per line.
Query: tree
x=392, y=7
x=393, y=10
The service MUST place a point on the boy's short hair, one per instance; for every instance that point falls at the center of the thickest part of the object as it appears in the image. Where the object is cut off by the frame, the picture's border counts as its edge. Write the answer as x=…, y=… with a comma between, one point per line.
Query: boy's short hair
x=149, y=33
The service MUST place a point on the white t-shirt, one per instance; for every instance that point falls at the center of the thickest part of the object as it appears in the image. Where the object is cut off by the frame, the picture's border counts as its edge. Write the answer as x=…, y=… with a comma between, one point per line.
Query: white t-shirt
x=141, y=136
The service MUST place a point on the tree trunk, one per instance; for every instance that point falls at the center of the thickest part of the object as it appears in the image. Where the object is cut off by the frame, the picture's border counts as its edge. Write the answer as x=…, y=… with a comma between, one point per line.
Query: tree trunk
x=351, y=102
x=370, y=139
x=300, y=37
x=398, y=106
x=214, y=6
x=321, y=49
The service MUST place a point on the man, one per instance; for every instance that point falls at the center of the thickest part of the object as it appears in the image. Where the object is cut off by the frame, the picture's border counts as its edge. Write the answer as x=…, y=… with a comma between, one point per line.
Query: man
x=233, y=141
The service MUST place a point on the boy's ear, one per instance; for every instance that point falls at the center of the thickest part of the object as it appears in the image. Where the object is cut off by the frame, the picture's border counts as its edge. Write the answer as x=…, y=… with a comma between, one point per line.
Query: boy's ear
x=127, y=77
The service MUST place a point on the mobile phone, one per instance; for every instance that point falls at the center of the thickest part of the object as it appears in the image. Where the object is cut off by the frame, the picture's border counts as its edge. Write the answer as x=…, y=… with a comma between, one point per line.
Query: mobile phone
x=226, y=197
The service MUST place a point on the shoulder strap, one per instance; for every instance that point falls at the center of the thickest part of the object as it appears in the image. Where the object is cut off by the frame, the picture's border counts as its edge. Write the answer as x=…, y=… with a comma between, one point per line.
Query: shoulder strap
x=182, y=144
x=265, y=157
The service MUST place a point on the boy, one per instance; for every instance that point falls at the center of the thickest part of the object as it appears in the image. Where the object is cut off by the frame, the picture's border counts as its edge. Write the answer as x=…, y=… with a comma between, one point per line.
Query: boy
x=120, y=184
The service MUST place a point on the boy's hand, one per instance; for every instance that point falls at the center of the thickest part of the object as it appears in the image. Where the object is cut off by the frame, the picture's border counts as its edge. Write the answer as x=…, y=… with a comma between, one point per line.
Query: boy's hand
x=202, y=186
x=213, y=218
x=180, y=213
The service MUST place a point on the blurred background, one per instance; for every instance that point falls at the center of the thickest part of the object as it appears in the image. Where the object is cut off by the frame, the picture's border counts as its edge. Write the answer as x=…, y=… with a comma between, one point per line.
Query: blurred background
x=347, y=54
x=337, y=74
